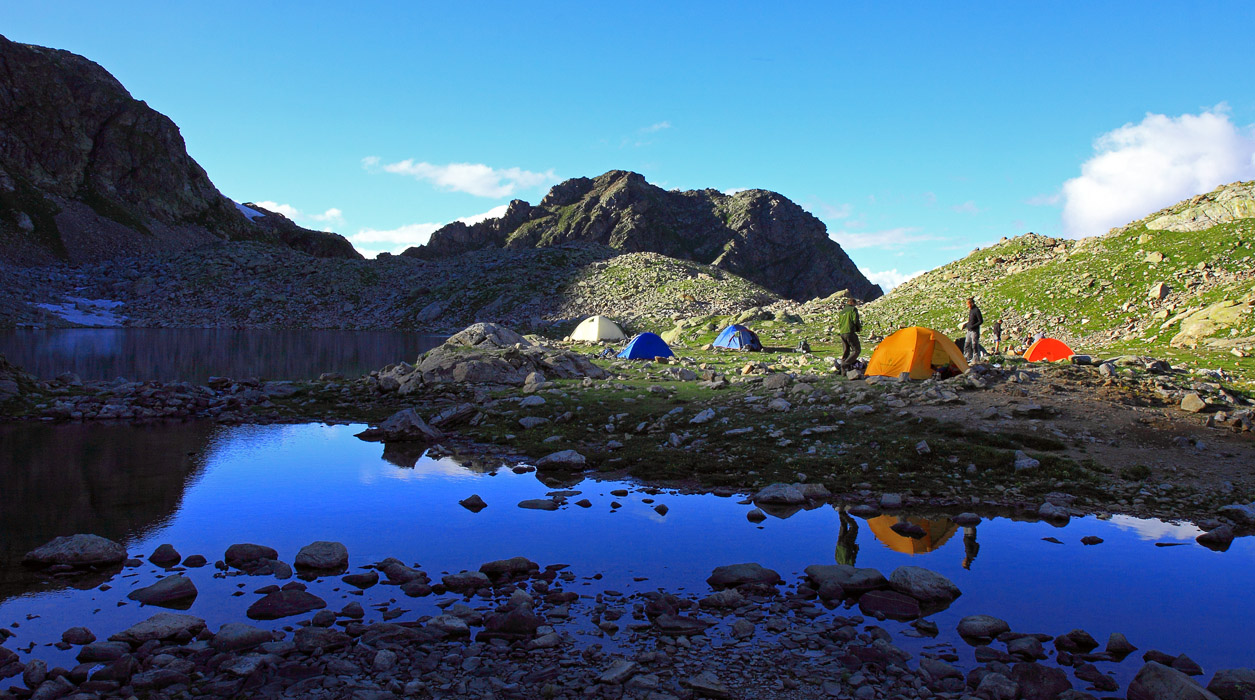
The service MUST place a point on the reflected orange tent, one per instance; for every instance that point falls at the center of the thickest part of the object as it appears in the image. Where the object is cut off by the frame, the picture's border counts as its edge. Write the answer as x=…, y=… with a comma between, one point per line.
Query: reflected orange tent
x=916, y=350
x=1048, y=350
x=936, y=533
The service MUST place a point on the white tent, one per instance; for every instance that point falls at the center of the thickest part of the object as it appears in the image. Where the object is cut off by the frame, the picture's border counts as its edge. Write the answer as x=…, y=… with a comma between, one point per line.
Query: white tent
x=595, y=328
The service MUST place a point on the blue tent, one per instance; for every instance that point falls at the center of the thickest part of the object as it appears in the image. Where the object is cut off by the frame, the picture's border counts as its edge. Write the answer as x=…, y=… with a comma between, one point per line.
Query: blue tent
x=646, y=346
x=738, y=337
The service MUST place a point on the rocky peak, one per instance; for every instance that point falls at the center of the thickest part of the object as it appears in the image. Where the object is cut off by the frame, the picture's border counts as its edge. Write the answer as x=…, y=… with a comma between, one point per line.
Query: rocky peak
x=756, y=234
x=88, y=172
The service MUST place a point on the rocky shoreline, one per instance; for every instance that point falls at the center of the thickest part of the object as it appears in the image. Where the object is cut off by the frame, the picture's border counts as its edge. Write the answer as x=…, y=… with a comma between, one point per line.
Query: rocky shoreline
x=515, y=629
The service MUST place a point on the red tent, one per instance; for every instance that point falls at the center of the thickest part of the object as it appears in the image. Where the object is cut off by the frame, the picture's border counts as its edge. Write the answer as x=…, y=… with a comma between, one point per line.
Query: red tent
x=1048, y=350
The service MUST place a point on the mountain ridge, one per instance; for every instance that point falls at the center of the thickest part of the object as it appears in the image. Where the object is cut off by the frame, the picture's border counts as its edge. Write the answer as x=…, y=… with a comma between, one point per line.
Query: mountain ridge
x=88, y=172
x=759, y=235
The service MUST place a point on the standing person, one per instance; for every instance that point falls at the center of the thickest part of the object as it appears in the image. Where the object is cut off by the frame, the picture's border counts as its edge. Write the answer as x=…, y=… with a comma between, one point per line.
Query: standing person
x=997, y=329
x=971, y=343
x=848, y=327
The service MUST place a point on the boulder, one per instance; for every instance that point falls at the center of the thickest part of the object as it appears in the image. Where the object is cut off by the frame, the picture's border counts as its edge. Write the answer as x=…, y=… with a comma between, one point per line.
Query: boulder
x=1158, y=682
x=783, y=494
x=890, y=604
x=309, y=639
x=467, y=581
x=237, y=636
x=1158, y=291
x=323, y=556
x=403, y=426
x=507, y=569
x=1024, y=462
x=852, y=580
x=1076, y=641
x=165, y=556
x=982, y=627
x=1193, y=403
x=169, y=592
x=449, y=626
x=565, y=458
x=284, y=603
x=1233, y=684
x=245, y=556
x=479, y=335
x=1118, y=646
x=734, y=575
x=923, y=585
x=473, y=503
x=1038, y=682
x=78, y=636
x=77, y=551
x=1217, y=539
x=708, y=685
x=1242, y=514
x=159, y=627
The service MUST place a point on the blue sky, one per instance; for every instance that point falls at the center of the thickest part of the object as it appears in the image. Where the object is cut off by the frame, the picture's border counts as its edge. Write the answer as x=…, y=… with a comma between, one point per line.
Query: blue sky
x=916, y=132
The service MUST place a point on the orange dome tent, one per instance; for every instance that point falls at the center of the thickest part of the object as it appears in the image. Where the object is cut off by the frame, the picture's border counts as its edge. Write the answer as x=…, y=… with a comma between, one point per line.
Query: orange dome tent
x=1048, y=350
x=936, y=533
x=916, y=350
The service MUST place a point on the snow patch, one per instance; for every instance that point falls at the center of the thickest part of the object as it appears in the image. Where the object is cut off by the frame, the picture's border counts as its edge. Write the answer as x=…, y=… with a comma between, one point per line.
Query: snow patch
x=249, y=212
x=87, y=312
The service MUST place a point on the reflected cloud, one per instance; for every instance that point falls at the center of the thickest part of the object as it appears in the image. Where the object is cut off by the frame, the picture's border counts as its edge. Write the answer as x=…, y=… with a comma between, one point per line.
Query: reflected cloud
x=1156, y=529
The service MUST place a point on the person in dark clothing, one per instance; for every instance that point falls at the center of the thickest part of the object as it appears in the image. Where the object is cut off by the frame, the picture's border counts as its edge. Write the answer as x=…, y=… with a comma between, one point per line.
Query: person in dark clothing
x=997, y=333
x=971, y=343
x=848, y=327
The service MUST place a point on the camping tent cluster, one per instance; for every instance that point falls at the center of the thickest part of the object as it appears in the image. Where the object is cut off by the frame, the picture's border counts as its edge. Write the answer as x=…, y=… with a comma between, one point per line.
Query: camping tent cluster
x=916, y=351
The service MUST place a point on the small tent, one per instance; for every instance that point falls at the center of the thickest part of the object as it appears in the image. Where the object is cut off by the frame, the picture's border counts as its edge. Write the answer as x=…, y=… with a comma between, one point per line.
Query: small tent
x=596, y=328
x=1048, y=350
x=916, y=350
x=646, y=346
x=738, y=337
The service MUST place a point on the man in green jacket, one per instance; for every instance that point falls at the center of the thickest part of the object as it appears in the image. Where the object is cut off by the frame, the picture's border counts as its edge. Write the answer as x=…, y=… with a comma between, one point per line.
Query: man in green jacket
x=848, y=327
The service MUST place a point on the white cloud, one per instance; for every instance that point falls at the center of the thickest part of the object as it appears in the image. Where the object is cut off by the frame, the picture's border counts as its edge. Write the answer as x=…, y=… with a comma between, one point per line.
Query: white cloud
x=371, y=242
x=1044, y=200
x=1140, y=168
x=968, y=207
x=653, y=128
x=888, y=279
x=472, y=178
x=735, y=190
x=332, y=215
x=888, y=238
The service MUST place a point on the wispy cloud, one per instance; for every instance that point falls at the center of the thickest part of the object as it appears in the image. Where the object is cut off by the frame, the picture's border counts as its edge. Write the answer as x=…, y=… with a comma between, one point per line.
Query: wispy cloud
x=1139, y=168
x=371, y=242
x=887, y=238
x=830, y=211
x=888, y=279
x=656, y=127
x=1045, y=200
x=735, y=190
x=472, y=178
x=968, y=207
x=331, y=216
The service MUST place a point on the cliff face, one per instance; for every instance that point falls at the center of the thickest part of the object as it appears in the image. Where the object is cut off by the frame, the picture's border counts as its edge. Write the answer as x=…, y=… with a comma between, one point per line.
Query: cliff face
x=759, y=235
x=87, y=172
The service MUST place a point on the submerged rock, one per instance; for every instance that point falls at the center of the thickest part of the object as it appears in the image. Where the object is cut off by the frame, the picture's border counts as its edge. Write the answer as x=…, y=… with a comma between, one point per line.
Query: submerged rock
x=284, y=603
x=926, y=586
x=161, y=626
x=169, y=592
x=165, y=555
x=77, y=551
x=323, y=556
x=1158, y=682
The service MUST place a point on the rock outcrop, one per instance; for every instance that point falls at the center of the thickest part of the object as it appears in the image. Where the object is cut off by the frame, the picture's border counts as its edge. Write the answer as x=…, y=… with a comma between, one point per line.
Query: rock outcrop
x=1220, y=206
x=756, y=234
x=88, y=172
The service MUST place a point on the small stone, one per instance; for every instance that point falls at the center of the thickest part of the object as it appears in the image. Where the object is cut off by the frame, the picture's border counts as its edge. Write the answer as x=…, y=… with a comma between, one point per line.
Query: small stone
x=473, y=503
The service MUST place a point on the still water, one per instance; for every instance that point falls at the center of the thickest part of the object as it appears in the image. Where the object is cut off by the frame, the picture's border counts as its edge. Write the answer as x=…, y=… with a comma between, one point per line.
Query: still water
x=195, y=354
x=203, y=488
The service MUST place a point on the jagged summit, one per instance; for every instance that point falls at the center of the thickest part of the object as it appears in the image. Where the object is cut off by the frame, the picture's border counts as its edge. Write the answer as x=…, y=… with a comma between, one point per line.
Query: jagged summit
x=88, y=172
x=756, y=234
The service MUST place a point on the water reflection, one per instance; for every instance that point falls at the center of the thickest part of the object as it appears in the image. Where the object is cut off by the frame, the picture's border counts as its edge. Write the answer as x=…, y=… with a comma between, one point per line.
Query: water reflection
x=116, y=481
x=195, y=354
x=286, y=486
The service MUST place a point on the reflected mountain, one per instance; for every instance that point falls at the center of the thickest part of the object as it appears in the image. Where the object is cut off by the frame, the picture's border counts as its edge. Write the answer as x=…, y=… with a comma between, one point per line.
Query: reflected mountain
x=195, y=354
x=116, y=481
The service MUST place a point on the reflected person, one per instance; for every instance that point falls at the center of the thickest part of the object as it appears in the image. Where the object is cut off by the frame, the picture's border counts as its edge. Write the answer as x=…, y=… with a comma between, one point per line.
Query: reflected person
x=970, y=546
x=847, y=540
